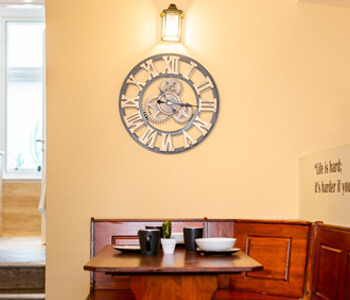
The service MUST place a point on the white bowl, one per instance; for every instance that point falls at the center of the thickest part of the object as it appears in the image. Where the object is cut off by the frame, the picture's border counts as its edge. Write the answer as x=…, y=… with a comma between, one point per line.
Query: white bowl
x=215, y=244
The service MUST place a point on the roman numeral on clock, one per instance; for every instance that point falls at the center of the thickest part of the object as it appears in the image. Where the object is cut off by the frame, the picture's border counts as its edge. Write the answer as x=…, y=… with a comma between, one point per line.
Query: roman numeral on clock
x=149, y=137
x=202, y=126
x=188, y=140
x=167, y=143
x=190, y=70
x=134, y=121
x=171, y=64
x=204, y=85
x=131, y=80
x=150, y=68
x=208, y=105
x=130, y=102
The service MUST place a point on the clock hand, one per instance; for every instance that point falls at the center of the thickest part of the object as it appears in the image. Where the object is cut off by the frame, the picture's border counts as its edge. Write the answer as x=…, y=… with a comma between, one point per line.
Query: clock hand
x=177, y=103
x=167, y=102
x=187, y=104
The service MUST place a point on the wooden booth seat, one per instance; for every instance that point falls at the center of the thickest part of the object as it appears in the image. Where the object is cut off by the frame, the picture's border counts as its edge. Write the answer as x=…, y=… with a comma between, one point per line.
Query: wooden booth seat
x=328, y=268
x=301, y=260
x=328, y=276
x=282, y=248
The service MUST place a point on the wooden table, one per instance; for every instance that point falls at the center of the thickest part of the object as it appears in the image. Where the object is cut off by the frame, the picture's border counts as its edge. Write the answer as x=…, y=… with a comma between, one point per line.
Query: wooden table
x=183, y=275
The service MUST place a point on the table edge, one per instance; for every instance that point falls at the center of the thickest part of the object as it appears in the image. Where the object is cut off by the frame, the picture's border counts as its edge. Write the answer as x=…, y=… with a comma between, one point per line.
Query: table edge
x=128, y=271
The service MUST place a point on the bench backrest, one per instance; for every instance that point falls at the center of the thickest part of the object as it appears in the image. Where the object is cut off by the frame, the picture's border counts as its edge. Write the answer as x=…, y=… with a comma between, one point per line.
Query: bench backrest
x=282, y=248
x=117, y=231
x=329, y=264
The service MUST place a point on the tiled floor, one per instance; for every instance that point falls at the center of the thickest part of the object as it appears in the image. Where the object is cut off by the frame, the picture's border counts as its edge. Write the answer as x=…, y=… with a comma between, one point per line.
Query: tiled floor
x=22, y=250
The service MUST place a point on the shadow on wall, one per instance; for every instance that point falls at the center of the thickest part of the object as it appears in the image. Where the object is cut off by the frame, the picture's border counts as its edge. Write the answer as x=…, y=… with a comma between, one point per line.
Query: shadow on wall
x=340, y=3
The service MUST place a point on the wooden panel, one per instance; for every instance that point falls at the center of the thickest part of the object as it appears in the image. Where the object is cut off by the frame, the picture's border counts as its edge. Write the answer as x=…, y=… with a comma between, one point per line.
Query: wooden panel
x=103, y=281
x=121, y=240
x=286, y=241
x=103, y=230
x=276, y=266
x=219, y=228
x=347, y=280
x=20, y=209
x=173, y=287
x=329, y=267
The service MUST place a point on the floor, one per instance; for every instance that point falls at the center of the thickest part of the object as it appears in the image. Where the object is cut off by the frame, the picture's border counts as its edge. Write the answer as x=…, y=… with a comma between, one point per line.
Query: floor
x=22, y=251
x=20, y=209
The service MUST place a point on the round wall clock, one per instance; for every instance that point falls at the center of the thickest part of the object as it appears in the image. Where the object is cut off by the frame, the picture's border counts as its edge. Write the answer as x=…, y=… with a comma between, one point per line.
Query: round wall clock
x=169, y=103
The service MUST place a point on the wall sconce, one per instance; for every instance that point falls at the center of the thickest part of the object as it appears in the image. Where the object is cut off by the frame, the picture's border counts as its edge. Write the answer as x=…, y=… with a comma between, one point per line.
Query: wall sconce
x=171, y=23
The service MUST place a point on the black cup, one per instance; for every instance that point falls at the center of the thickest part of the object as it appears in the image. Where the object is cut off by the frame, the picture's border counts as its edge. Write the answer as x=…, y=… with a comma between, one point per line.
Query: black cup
x=190, y=235
x=149, y=241
x=160, y=228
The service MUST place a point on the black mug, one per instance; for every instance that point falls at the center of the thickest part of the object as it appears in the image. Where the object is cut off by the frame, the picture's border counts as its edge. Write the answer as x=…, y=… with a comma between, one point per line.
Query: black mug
x=190, y=235
x=149, y=241
x=160, y=228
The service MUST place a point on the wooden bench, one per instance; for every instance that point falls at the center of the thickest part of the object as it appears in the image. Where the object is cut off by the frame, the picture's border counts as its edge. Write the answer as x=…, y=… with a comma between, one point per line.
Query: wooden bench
x=298, y=258
x=282, y=248
x=328, y=270
x=328, y=274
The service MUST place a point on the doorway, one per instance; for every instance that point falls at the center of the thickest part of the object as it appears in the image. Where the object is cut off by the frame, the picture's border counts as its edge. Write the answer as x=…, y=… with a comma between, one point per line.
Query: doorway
x=22, y=122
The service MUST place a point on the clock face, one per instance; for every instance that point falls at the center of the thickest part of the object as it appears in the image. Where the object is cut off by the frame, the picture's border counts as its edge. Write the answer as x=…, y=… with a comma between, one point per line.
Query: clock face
x=169, y=103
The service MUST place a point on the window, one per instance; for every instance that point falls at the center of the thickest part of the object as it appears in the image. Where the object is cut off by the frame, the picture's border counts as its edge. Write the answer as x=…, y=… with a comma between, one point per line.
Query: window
x=22, y=91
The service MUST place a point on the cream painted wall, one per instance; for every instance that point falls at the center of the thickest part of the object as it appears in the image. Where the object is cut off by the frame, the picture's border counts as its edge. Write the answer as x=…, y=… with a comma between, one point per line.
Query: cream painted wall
x=282, y=68
x=324, y=186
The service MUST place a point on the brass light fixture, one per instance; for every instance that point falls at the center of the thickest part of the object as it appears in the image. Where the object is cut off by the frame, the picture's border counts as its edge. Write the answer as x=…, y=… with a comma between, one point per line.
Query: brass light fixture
x=171, y=23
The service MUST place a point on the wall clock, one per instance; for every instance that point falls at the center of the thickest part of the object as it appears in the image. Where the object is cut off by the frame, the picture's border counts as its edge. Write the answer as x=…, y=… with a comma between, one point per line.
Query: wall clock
x=169, y=103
